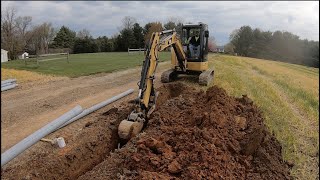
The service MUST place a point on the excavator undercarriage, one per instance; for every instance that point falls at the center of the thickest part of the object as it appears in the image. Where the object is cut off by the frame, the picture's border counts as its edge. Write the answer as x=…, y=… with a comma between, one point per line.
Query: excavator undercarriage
x=205, y=77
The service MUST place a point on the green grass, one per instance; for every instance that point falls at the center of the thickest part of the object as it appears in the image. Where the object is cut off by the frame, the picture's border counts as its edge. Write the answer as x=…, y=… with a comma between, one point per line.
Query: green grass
x=83, y=64
x=289, y=97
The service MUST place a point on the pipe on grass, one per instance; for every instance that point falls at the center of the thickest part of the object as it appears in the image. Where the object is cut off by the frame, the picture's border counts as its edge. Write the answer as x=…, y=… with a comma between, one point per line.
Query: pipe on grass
x=36, y=136
x=6, y=84
x=97, y=106
x=10, y=86
x=8, y=81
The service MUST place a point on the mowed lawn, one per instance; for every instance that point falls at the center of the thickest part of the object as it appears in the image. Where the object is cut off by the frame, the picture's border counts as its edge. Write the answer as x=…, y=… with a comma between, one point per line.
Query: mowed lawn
x=288, y=95
x=82, y=64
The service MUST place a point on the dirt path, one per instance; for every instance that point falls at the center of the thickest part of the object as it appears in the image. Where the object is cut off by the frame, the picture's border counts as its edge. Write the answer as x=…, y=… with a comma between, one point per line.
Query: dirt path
x=30, y=106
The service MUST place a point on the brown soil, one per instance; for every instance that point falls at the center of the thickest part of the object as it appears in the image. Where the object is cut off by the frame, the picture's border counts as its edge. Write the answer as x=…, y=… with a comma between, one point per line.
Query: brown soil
x=197, y=135
x=192, y=135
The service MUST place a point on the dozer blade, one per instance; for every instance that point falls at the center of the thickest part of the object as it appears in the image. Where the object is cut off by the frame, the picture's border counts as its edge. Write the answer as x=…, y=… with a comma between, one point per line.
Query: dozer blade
x=168, y=76
x=206, y=77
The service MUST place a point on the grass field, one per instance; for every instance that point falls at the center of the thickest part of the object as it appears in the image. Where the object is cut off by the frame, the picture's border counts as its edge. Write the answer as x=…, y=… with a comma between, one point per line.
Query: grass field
x=82, y=64
x=287, y=94
x=289, y=97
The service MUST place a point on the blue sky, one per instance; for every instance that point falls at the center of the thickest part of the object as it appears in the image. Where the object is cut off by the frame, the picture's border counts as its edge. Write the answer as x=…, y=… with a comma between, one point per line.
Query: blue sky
x=222, y=17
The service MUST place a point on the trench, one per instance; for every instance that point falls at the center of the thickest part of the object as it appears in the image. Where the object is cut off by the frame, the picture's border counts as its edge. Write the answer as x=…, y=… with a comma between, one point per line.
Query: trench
x=167, y=91
x=89, y=155
x=86, y=148
x=196, y=133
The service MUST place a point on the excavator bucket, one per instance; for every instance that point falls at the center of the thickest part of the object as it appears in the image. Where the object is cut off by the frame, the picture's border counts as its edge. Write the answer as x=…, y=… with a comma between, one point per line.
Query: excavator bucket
x=128, y=129
x=132, y=126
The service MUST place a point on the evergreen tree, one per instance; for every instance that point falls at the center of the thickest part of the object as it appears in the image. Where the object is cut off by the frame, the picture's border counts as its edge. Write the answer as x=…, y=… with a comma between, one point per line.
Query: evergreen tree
x=85, y=45
x=64, y=39
x=138, y=35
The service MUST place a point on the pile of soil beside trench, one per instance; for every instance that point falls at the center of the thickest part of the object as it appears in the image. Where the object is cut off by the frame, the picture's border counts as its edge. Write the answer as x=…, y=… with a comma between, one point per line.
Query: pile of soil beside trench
x=198, y=135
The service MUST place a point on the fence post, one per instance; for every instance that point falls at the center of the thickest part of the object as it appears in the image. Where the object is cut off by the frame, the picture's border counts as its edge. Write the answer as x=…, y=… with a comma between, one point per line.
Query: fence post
x=37, y=60
x=68, y=57
x=128, y=50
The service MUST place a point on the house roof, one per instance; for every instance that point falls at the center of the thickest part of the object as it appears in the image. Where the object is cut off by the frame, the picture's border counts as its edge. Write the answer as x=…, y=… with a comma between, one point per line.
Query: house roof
x=220, y=47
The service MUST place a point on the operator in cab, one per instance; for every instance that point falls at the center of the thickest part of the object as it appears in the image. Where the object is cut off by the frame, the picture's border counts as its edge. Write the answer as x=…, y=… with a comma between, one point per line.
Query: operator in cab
x=194, y=44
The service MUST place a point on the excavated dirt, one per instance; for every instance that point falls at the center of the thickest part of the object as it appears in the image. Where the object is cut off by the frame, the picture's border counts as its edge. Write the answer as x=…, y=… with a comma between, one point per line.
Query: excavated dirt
x=191, y=135
x=198, y=135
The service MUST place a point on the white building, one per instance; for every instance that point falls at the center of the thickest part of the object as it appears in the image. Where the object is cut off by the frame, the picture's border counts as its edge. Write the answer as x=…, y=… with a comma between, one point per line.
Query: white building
x=219, y=49
x=24, y=55
x=4, y=55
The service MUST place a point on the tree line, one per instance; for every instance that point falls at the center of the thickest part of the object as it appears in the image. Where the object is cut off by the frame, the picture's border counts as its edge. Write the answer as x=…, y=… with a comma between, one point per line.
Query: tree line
x=278, y=45
x=19, y=34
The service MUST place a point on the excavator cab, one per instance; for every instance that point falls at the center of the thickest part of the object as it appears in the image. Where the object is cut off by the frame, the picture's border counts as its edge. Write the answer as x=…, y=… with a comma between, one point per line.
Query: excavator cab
x=194, y=40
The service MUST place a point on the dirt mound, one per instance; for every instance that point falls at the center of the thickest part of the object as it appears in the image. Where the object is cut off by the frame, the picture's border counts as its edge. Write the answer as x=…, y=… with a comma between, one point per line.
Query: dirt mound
x=198, y=135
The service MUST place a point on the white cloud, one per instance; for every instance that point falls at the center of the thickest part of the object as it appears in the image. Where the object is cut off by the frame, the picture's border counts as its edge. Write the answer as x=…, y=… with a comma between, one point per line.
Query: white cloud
x=104, y=17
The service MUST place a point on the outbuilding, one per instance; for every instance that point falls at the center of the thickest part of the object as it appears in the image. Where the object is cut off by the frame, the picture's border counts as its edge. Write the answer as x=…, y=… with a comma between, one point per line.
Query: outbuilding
x=24, y=55
x=4, y=55
x=219, y=49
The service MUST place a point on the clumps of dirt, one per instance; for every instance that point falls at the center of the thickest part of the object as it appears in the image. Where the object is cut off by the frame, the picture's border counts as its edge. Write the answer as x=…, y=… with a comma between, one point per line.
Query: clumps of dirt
x=198, y=135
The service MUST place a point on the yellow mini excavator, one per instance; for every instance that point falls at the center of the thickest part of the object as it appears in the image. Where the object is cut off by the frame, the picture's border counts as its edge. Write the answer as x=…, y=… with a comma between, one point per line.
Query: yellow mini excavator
x=190, y=57
x=183, y=61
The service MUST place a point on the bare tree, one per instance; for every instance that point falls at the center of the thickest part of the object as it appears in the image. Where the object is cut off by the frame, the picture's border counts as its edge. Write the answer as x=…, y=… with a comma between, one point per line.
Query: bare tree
x=84, y=33
x=8, y=31
x=212, y=45
x=169, y=25
x=176, y=19
x=23, y=25
x=154, y=27
x=128, y=22
x=34, y=44
x=48, y=34
x=229, y=48
x=40, y=38
x=233, y=34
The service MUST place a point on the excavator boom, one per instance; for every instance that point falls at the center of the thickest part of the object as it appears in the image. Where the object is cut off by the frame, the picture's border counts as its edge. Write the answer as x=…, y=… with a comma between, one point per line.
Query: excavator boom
x=146, y=100
x=147, y=96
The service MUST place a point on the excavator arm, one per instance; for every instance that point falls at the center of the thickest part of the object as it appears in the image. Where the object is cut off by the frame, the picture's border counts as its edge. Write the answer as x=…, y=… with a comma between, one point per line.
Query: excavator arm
x=147, y=96
x=173, y=40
